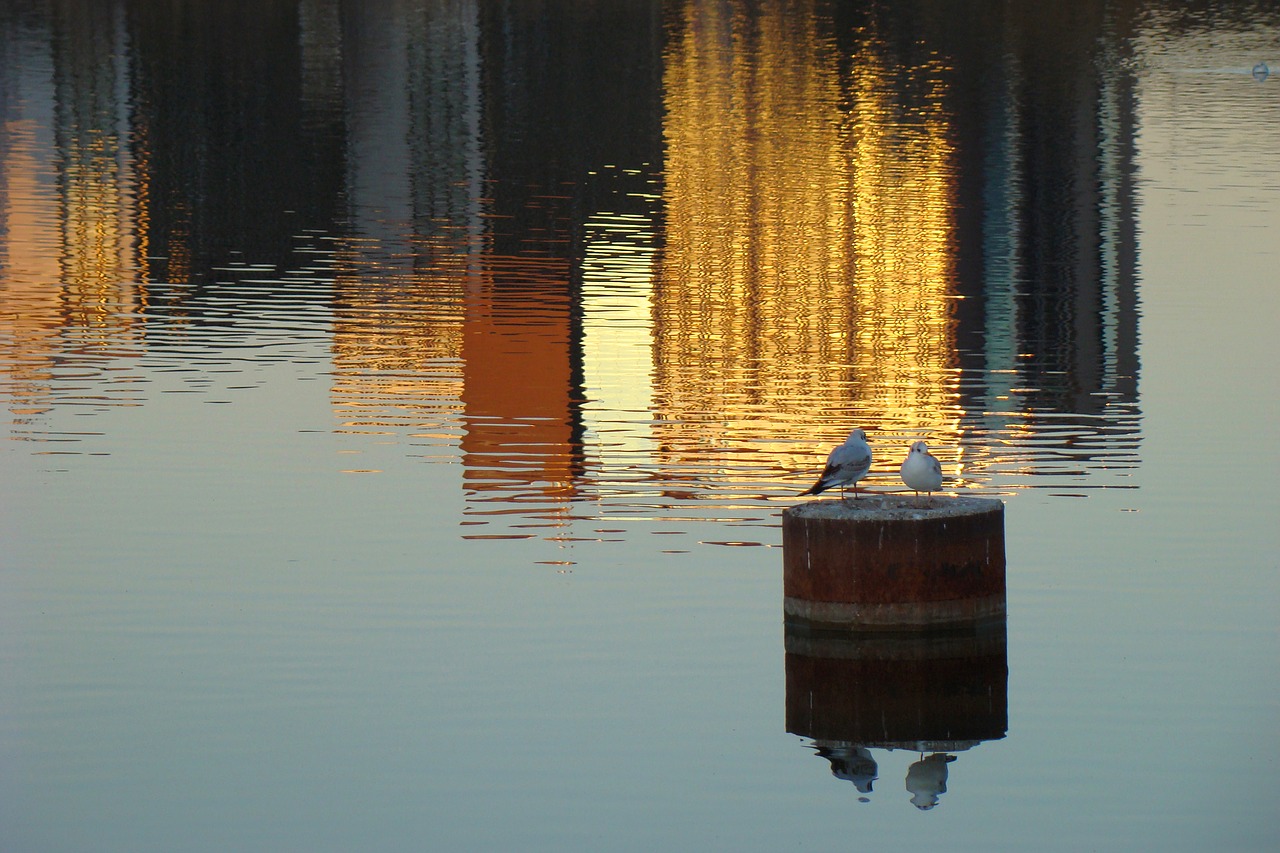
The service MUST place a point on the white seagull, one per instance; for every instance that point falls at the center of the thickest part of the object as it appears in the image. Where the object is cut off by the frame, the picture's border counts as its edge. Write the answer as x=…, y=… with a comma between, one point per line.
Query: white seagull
x=921, y=471
x=846, y=465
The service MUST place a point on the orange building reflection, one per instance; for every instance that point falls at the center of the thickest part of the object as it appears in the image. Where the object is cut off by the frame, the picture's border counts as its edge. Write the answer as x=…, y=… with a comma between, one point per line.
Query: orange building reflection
x=70, y=208
x=518, y=390
x=808, y=266
x=34, y=312
x=486, y=352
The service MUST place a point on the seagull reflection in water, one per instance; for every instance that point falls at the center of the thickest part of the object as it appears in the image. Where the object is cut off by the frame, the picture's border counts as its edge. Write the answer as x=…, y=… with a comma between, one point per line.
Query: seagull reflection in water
x=927, y=779
x=853, y=764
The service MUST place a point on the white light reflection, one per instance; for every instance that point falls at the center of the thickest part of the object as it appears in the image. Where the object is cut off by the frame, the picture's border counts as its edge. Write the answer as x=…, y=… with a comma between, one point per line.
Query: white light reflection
x=617, y=343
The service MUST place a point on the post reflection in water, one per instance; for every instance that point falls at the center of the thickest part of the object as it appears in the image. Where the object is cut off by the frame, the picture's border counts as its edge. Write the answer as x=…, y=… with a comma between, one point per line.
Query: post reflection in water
x=926, y=693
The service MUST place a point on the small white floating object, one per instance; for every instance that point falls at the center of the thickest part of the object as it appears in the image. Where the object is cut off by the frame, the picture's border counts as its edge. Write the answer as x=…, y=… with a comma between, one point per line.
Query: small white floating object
x=1261, y=72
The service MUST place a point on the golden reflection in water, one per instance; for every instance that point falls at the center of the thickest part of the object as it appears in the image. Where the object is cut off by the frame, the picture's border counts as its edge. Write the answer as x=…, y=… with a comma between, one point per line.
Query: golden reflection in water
x=903, y=200
x=807, y=278
x=32, y=314
x=99, y=269
x=69, y=208
x=753, y=291
x=397, y=343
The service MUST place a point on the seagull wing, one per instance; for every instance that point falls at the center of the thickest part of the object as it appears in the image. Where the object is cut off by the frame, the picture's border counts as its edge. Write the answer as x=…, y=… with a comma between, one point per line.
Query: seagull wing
x=830, y=477
x=845, y=465
x=848, y=462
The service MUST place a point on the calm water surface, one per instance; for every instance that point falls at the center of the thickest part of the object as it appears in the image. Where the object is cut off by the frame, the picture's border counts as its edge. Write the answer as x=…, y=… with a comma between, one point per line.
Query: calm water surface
x=401, y=400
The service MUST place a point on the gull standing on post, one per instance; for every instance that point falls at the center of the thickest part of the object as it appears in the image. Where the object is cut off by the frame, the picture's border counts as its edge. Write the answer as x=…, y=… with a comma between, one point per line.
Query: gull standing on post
x=846, y=465
x=921, y=471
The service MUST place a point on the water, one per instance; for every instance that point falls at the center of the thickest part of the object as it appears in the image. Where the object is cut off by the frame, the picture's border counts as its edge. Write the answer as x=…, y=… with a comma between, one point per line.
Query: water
x=402, y=401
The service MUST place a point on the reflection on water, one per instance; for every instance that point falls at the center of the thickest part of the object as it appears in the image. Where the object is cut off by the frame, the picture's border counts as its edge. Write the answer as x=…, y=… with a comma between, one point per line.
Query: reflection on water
x=926, y=779
x=601, y=271
x=811, y=286
x=618, y=324
x=937, y=694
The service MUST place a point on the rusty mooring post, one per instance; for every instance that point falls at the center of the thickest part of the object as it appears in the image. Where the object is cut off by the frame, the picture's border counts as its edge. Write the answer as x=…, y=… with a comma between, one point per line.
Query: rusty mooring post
x=893, y=563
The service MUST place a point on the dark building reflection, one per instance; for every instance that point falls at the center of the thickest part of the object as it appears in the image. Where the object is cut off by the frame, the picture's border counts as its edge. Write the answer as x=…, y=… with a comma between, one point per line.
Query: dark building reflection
x=936, y=695
x=1046, y=210
x=1051, y=201
x=228, y=146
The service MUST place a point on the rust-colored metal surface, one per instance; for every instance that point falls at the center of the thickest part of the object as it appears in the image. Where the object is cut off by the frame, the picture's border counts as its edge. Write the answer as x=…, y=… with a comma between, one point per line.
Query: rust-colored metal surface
x=886, y=561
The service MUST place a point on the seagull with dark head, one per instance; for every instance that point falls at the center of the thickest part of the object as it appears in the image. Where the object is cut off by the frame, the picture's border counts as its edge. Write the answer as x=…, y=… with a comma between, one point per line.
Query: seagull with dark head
x=847, y=464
